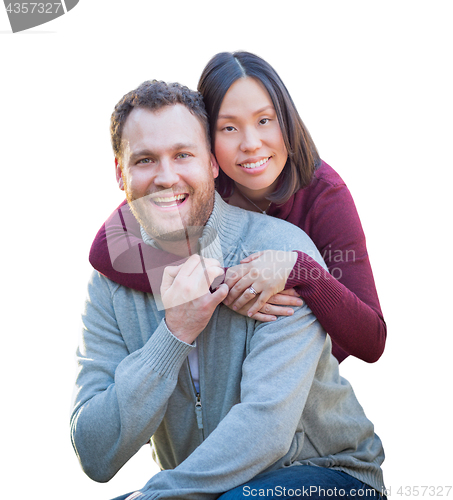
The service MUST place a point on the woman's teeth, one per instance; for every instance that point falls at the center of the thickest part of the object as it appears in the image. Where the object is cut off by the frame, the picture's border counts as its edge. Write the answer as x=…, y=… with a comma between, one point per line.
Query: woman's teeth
x=254, y=165
x=169, y=201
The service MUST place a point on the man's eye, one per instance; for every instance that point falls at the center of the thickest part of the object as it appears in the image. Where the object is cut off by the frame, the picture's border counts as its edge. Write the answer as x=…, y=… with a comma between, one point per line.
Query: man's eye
x=144, y=160
x=182, y=155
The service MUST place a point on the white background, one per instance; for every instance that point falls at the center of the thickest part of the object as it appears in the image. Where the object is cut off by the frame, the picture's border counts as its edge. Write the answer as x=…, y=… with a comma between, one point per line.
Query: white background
x=372, y=82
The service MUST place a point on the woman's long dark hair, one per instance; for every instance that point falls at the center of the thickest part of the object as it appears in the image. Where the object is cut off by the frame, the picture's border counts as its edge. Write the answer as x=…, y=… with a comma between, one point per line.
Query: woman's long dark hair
x=218, y=76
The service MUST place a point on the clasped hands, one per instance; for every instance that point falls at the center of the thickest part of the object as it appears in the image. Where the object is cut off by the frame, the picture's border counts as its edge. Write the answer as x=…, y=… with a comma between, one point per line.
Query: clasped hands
x=189, y=304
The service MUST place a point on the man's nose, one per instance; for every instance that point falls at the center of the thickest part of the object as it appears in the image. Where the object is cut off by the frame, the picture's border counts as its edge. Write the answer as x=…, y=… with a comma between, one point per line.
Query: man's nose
x=166, y=175
x=251, y=140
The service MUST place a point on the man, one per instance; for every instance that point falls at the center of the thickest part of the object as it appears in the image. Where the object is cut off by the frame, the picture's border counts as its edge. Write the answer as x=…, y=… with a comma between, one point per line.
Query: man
x=257, y=397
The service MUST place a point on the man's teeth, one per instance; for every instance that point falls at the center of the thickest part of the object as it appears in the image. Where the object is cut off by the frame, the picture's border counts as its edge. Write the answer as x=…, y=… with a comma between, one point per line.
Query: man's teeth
x=254, y=165
x=169, y=200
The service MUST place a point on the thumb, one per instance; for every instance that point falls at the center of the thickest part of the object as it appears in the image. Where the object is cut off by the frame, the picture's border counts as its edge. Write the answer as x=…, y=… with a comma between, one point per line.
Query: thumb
x=168, y=277
x=220, y=294
x=251, y=257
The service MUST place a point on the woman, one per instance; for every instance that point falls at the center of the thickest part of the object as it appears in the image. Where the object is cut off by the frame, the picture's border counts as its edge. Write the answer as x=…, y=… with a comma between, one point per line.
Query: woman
x=269, y=163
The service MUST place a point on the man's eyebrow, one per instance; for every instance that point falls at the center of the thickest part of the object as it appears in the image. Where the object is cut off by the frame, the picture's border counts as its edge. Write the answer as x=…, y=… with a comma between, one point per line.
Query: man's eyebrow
x=142, y=152
x=229, y=117
x=175, y=147
x=184, y=145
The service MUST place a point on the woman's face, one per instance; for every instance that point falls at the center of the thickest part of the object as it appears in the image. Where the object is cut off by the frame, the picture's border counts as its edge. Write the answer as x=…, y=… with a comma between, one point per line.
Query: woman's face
x=249, y=145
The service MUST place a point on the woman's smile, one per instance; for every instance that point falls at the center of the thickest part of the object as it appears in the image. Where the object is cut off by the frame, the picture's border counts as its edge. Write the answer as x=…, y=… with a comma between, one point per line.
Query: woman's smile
x=255, y=164
x=249, y=145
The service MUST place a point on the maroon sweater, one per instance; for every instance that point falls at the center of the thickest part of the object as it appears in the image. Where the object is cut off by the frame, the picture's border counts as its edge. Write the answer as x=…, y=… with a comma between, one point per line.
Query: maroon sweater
x=345, y=301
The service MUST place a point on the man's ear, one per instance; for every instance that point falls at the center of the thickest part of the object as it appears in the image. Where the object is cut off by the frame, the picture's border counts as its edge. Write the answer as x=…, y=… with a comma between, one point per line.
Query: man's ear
x=214, y=166
x=119, y=175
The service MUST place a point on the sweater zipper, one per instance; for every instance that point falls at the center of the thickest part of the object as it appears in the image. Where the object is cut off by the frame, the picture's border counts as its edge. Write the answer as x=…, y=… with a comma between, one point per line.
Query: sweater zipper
x=198, y=406
x=198, y=413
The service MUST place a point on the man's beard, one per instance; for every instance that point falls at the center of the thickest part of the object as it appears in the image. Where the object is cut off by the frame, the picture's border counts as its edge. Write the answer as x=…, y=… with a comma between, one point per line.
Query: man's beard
x=176, y=229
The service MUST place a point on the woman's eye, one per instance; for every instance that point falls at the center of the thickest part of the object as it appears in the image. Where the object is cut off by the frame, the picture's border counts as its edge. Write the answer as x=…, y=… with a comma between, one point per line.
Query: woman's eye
x=263, y=121
x=144, y=160
x=229, y=128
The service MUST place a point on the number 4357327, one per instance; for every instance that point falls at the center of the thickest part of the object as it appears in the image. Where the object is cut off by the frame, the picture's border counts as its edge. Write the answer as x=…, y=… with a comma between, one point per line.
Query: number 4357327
x=432, y=491
x=33, y=7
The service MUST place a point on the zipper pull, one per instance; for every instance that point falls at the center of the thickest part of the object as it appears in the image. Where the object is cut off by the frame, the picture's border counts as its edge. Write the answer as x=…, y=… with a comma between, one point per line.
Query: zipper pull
x=198, y=412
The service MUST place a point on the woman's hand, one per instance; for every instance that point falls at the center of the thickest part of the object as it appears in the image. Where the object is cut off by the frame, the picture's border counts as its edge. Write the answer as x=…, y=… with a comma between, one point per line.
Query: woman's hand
x=267, y=272
x=276, y=306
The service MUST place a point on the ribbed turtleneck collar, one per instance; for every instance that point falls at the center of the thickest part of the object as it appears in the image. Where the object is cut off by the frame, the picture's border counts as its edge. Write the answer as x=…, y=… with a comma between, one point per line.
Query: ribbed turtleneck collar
x=220, y=231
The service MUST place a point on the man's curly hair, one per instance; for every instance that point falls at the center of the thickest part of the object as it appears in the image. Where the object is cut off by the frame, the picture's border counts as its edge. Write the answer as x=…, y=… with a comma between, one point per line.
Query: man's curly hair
x=155, y=95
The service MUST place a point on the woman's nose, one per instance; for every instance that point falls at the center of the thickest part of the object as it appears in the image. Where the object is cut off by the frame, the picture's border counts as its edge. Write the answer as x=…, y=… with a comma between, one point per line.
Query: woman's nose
x=251, y=140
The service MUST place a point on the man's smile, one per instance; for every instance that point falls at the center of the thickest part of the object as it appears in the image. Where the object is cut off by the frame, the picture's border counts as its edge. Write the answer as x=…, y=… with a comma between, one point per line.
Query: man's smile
x=169, y=201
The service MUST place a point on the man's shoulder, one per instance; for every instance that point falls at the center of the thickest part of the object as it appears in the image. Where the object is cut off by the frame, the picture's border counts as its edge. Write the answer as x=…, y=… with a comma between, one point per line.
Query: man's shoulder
x=108, y=299
x=269, y=233
x=263, y=226
x=99, y=286
x=103, y=290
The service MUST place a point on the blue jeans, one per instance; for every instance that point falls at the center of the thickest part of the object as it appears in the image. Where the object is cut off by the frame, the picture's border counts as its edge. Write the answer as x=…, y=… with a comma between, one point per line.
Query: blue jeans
x=303, y=481
x=300, y=481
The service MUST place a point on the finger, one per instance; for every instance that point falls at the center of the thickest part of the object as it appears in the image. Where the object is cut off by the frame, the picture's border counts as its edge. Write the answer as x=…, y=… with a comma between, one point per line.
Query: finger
x=234, y=274
x=251, y=257
x=210, y=262
x=209, y=301
x=265, y=318
x=195, y=260
x=239, y=288
x=285, y=300
x=261, y=298
x=246, y=297
x=219, y=295
x=241, y=292
x=168, y=277
x=172, y=271
x=260, y=304
x=204, y=275
x=212, y=273
x=290, y=291
x=279, y=299
x=190, y=265
x=270, y=309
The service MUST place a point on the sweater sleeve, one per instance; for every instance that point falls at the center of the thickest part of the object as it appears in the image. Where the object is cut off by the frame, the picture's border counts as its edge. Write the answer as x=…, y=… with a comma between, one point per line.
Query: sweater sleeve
x=119, y=253
x=259, y=430
x=120, y=398
x=344, y=301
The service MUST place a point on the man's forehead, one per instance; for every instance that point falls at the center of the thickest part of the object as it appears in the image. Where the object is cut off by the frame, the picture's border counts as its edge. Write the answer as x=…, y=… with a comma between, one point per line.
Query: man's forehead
x=173, y=124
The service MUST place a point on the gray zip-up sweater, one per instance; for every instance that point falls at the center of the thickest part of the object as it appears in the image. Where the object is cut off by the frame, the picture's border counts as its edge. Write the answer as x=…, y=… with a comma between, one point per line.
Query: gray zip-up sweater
x=270, y=393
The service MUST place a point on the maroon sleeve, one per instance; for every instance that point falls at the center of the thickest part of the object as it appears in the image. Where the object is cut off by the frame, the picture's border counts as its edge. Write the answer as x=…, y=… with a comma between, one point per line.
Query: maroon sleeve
x=344, y=301
x=118, y=252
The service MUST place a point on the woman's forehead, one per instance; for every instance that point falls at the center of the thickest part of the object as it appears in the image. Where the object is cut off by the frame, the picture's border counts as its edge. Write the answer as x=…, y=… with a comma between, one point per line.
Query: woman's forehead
x=246, y=95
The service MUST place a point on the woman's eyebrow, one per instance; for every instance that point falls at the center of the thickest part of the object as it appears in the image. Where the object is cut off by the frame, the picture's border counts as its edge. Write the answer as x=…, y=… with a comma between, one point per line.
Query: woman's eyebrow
x=230, y=117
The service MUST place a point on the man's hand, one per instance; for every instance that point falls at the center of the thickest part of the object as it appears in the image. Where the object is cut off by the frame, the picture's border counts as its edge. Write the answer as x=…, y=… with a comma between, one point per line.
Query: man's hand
x=185, y=294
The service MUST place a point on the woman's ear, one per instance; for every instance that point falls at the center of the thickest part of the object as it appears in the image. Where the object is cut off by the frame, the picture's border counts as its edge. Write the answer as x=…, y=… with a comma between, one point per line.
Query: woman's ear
x=119, y=175
x=214, y=166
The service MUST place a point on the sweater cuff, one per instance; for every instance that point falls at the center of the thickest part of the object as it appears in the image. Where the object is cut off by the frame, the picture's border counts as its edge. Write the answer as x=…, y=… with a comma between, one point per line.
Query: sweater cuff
x=165, y=353
x=319, y=289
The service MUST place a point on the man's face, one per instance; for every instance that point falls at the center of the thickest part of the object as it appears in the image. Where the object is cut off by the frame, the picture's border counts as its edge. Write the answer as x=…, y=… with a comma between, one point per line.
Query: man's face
x=167, y=172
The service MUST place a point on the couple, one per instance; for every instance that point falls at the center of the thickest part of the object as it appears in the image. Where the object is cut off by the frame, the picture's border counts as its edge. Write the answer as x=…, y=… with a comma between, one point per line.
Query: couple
x=240, y=397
